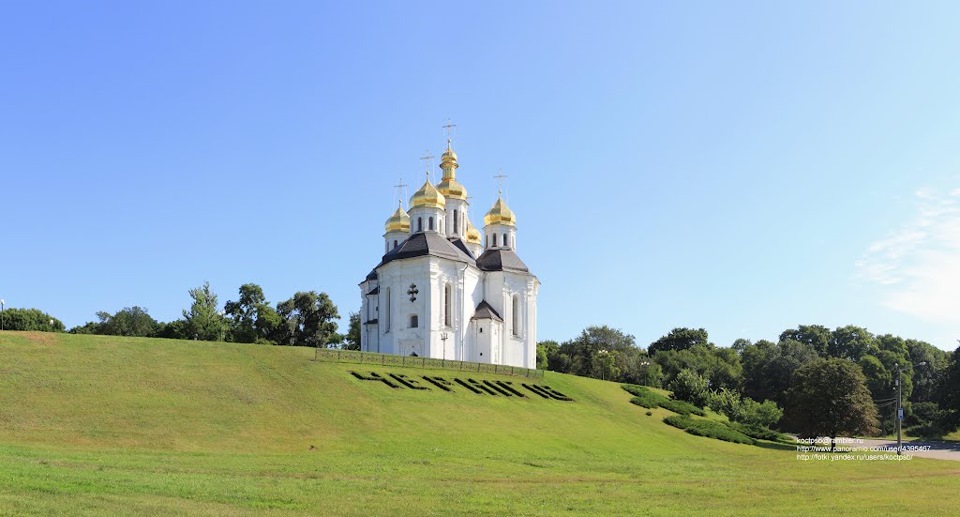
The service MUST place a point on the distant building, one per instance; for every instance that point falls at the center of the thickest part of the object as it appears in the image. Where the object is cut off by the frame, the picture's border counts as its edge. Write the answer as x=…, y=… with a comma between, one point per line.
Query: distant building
x=442, y=290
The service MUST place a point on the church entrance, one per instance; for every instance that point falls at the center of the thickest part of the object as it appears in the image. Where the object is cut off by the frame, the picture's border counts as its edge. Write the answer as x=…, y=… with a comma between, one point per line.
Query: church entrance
x=412, y=347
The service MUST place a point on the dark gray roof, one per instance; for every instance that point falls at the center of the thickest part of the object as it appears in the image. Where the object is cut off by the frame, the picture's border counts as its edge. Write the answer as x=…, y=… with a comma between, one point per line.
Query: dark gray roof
x=463, y=247
x=485, y=311
x=427, y=243
x=500, y=259
x=375, y=290
x=372, y=275
x=371, y=322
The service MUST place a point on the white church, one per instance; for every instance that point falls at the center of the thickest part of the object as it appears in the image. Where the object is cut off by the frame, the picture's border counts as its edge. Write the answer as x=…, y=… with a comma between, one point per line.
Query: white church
x=444, y=291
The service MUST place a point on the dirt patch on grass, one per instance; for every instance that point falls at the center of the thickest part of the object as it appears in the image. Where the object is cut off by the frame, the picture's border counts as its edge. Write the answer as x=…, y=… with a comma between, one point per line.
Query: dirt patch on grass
x=41, y=338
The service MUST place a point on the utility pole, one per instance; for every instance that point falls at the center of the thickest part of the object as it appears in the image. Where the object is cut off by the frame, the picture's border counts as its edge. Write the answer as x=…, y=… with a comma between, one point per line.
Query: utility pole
x=899, y=410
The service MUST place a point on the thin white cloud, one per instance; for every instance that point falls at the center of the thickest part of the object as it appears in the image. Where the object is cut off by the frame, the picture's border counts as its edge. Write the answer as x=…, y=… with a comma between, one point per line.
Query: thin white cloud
x=918, y=266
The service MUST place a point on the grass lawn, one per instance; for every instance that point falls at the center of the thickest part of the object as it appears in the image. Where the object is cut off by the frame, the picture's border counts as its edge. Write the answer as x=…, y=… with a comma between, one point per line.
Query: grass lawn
x=101, y=425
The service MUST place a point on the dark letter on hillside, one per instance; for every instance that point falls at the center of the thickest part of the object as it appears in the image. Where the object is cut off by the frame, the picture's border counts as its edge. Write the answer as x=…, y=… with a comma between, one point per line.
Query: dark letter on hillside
x=408, y=382
x=374, y=377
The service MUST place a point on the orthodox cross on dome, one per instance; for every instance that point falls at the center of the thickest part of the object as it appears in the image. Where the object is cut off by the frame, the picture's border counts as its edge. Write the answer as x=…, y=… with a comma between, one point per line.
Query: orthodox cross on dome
x=449, y=129
x=400, y=186
x=500, y=177
x=428, y=158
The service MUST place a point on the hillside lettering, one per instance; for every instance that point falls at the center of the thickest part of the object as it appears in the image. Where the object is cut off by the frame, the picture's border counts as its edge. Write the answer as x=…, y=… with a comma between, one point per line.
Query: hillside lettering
x=504, y=389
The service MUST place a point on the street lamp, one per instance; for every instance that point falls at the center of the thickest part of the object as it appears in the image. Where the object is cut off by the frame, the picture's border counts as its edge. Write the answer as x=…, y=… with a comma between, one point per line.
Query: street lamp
x=2, y=302
x=900, y=406
x=443, y=337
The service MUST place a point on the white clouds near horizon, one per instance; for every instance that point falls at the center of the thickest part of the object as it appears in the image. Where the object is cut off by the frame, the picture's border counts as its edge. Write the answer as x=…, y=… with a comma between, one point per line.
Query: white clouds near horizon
x=917, y=267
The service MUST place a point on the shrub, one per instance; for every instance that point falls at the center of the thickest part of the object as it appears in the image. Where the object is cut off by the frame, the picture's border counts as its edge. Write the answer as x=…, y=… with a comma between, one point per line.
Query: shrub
x=681, y=408
x=708, y=428
x=690, y=387
x=760, y=433
x=745, y=410
x=930, y=430
x=644, y=397
x=650, y=400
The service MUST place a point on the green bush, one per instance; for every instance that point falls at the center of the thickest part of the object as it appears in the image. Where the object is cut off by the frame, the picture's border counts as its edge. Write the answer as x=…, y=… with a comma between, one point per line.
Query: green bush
x=650, y=400
x=681, y=408
x=690, y=387
x=760, y=433
x=644, y=397
x=708, y=428
x=31, y=319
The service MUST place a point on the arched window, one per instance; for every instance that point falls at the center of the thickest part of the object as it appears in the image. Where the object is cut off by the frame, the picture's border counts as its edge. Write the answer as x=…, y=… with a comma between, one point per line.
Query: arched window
x=431, y=224
x=448, y=305
x=394, y=243
x=456, y=220
x=506, y=241
x=516, y=315
x=419, y=224
x=386, y=315
x=494, y=240
x=414, y=321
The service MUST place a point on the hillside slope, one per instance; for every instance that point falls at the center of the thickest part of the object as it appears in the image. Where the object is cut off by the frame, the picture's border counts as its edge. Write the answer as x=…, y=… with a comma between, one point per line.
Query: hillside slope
x=94, y=425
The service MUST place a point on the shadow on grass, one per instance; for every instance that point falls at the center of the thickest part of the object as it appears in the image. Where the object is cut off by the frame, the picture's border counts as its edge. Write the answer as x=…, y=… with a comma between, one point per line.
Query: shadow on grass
x=776, y=446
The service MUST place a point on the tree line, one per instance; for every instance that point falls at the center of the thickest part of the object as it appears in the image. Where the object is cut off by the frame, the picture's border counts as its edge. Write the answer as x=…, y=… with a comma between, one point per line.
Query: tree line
x=820, y=378
x=308, y=318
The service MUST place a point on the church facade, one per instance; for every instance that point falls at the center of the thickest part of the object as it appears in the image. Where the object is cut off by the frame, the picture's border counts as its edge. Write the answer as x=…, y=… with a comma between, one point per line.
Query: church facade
x=445, y=290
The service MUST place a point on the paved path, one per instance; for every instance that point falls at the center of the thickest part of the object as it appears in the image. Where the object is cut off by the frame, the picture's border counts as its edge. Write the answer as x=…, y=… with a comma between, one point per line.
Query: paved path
x=938, y=450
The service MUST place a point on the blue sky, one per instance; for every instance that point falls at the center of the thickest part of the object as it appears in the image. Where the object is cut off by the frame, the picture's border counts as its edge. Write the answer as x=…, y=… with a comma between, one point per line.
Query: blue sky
x=739, y=166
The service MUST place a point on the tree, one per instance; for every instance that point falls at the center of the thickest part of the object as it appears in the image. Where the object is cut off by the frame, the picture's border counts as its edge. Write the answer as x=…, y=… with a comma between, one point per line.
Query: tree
x=252, y=320
x=690, y=387
x=679, y=339
x=309, y=319
x=852, y=343
x=768, y=368
x=547, y=351
x=202, y=320
x=31, y=319
x=720, y=365
x=580, y=352
x=829, y=397
x=353, y=333
x=929, y=363
x=949, y=393
x=129, y=321
x=604, y=365
x=817, y=336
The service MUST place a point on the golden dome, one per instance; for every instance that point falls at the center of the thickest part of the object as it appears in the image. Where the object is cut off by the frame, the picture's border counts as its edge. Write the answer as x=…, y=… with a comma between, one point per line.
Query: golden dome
x=448, y=156
x=500, y=214
x=452, y=189
x=428, y=197
x=473, y=234
x=398, y=222
x=449, y=186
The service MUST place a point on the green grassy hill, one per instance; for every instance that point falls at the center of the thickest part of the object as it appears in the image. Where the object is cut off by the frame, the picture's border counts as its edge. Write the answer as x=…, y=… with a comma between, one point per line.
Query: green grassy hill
x=101, y=425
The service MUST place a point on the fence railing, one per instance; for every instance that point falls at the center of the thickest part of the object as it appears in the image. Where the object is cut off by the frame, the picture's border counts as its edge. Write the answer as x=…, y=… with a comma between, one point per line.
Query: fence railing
x=355, y=356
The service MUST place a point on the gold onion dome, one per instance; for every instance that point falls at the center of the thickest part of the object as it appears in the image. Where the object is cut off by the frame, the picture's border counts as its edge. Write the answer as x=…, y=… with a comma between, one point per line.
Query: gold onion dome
x=500, y=214
x=428, y=196
x=473, y=234
x=399, y=221
x=448, y=156
x=449, y=186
